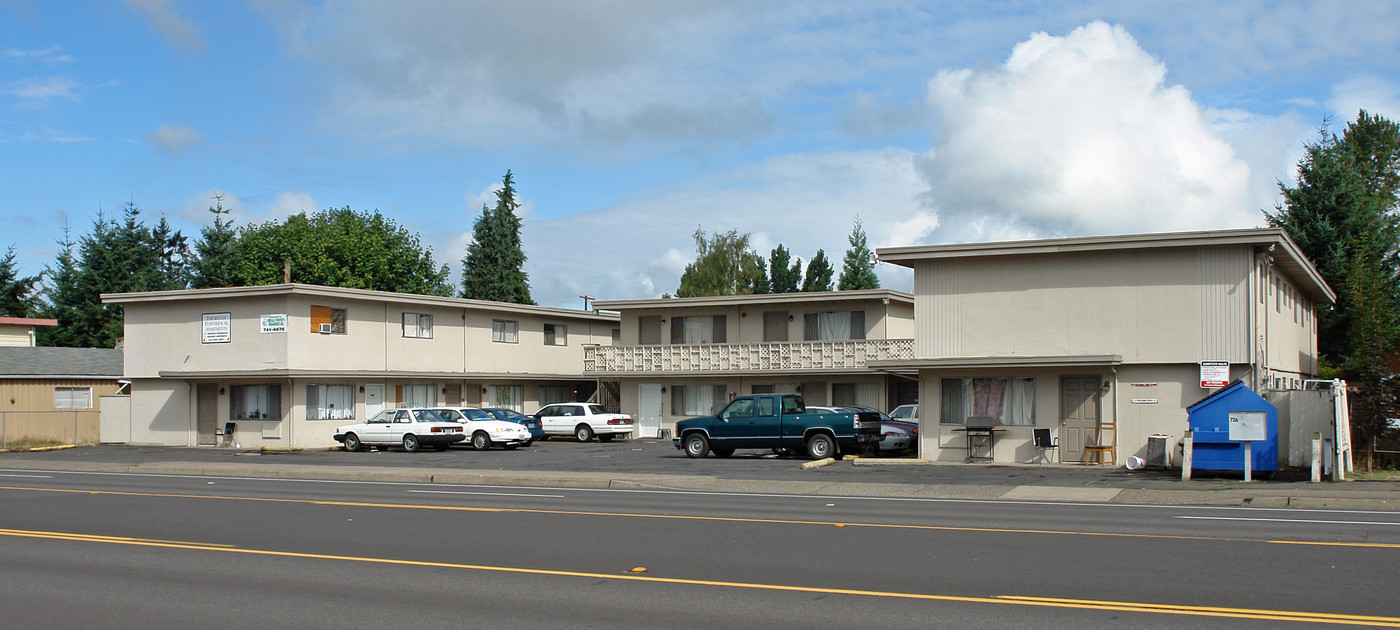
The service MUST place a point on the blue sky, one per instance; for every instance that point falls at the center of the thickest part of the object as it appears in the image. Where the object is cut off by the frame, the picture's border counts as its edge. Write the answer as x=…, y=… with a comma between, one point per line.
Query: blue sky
x=628, y=124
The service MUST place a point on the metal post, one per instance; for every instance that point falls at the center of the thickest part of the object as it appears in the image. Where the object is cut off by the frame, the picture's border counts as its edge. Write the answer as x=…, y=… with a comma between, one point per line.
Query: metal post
x=75, y=428
x=1186, y=458
x=1248, y=460
x=5, y=430
x=1316, y=457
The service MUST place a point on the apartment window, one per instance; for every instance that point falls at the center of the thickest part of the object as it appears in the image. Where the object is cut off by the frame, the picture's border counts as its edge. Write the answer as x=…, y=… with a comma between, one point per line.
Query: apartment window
x=556, y=335
x=330, y=402
x=72, y=398
x=698, y=329
x=697, y=400
x=255, y=402
x=418, y=325
x=617, y=336
x=510, y=397
x=326, y=319
x=550, y=394
x=1010, y=400
x=833, y=325
x=418, y=395
x=859, y=394
x=505, y=331
x=1278, y=294
x=774, y=388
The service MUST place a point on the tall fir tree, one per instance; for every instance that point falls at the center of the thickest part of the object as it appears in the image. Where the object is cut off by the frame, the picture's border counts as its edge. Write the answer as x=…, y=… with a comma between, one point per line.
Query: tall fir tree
x=784, y=273
x=819, y=273
x=17, y=297
x=173, y=257
x=858, y=268
x=216, y=257
x=494, y=266
x=62, y=297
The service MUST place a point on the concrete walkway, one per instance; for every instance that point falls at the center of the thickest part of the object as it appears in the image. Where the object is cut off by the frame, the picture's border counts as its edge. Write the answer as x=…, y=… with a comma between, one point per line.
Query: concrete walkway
x=865, y=477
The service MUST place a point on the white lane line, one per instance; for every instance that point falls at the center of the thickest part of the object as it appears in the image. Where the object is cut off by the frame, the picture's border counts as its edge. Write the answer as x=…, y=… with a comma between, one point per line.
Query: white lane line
x=29, y=476
x=1285, y=520
x=491, y=494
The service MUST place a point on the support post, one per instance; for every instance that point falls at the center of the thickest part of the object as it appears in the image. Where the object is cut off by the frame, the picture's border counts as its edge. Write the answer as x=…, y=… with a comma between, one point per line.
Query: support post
x=1248, y=460
x=1186, y=458
x=1316, y=457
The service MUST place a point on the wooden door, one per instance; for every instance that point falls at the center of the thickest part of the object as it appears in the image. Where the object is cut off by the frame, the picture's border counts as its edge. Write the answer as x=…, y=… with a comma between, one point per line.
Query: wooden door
x=1079, y=415
x=206, y=412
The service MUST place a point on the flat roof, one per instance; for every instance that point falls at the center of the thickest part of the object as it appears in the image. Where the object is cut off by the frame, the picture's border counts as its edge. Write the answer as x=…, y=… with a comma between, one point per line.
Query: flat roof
x=27, y=321
x=753, y=299
x=1286, y=254
x=349, y=294
x=1005, y=361
x=290, y=373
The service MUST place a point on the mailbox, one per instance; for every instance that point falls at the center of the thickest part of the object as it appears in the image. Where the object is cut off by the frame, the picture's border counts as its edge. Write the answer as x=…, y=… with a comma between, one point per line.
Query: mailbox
x=1222, y=422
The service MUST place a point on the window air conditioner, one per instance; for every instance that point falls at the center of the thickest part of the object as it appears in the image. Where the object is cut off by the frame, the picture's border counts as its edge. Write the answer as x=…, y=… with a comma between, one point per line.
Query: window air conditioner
x=325, y=329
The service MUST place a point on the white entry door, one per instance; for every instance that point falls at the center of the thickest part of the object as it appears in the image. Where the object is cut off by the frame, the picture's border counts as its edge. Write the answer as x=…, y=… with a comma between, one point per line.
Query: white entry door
x=648, y=410
x=374, y=399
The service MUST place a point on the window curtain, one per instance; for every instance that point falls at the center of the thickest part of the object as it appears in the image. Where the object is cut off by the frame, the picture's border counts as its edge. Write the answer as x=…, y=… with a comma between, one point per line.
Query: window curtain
x=1022, y=408
x=784, y=388
x=989, y=398
x=508, y=397
x=695, y=331
x=833, y=325
x=868, y=395
x=420, y=395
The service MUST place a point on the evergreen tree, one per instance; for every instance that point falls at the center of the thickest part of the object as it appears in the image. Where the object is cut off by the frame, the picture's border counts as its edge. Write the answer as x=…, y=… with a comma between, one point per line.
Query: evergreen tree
x=858, y=269
x=819, y=273
x=339, y=248
x=494, y=266
x=724, y=265
x=63, y=299
x=216, y=257
x=173, y=254
x=784, y=273
x=17, y=297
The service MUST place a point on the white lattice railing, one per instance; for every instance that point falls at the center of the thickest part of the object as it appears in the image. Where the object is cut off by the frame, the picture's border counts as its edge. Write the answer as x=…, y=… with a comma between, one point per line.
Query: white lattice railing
x=744, y=357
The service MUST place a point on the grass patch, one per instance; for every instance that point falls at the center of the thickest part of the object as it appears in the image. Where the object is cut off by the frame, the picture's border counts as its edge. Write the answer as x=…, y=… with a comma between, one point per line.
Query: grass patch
x=24, y=444
x=1379, y=474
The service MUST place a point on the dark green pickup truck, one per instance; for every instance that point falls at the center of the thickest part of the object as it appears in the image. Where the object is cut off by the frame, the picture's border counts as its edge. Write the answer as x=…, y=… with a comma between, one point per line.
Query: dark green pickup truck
x=776, y=421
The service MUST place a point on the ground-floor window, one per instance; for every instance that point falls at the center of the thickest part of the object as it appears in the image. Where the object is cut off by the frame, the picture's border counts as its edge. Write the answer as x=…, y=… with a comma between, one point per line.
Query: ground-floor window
x=859, y=394
x=72, y=398
x=774, y=388
x=330, y=402
x=1010, y=400
x=510, y=397
x=556, y=393
x=697, y=400
x=418, y=395
x=255, y=402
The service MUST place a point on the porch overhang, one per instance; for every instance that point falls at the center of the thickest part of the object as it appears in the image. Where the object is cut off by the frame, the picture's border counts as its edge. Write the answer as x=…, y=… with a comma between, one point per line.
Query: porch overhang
x=910, y=367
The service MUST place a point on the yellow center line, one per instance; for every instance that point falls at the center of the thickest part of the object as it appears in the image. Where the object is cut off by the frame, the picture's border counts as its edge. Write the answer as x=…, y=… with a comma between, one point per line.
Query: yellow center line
x=727, y=519
x=1014, y=600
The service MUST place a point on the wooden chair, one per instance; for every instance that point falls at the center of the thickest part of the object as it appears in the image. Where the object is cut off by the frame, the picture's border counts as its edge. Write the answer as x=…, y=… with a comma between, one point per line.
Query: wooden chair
x=1102, y=451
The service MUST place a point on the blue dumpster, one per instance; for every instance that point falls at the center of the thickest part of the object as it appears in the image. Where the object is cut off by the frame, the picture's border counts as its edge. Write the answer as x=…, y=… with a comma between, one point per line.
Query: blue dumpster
x=1209, y=421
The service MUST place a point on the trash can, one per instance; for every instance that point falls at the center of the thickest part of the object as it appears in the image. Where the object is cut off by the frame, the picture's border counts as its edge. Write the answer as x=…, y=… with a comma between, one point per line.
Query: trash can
x=1157, y=454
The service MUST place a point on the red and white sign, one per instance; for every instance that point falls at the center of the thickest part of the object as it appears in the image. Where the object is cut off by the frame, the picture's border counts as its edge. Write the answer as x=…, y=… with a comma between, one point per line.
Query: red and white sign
x=1215, y=374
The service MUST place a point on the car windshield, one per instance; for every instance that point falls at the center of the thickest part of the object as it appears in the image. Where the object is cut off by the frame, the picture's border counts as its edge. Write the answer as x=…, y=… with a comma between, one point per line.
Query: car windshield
x=903, y=411
x=508, y=415
x=429, y=415
x=476, y=414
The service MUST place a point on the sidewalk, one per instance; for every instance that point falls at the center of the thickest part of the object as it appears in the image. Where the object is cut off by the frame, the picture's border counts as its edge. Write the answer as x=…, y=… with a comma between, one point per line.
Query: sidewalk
x=639, y=465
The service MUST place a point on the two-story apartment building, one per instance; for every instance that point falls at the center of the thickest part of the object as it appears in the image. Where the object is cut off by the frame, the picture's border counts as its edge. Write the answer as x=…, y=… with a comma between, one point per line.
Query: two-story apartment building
x=684, y=357
x=284, y=364
x=1103, y=340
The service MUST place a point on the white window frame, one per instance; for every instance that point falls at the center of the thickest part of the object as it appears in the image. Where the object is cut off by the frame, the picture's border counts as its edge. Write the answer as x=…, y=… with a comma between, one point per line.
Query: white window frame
x=505, y=331
x=72, y=398
x=556, y=334
x=322, y=398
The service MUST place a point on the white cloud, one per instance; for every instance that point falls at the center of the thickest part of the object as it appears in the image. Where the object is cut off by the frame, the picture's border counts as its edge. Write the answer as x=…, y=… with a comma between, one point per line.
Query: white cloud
x=161, y=16
x=806, y=202
x=1374, y=94
x=289, y=203
x=50, y=55
x=38, y=91
x=1078, y=135
x=196, y=208
x=174, y=138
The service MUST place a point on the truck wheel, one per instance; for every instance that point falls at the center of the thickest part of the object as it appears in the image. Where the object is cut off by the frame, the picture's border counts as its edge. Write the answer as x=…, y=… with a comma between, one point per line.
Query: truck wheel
x=481, y=441
x=722, y=451
x=821, y=446
x=697, y=445
x=583, y=432
x=410, y=443
x=352, y=442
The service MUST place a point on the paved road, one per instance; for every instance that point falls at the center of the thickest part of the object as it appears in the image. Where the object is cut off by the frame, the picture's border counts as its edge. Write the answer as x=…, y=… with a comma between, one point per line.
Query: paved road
x=120, y=550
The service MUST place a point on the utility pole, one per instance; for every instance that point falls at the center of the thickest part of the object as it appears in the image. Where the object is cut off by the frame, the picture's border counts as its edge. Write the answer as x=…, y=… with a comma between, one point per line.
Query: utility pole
x=586, y=300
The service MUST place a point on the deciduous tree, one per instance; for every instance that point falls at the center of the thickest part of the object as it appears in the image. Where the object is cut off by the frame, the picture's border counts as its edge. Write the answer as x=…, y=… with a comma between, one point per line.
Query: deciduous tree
x=724, y=265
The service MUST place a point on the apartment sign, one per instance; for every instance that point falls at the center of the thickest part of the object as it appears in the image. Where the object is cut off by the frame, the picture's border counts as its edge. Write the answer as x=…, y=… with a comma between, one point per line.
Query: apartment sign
x=215, y=328
x=1215, y=374
x=274, y=323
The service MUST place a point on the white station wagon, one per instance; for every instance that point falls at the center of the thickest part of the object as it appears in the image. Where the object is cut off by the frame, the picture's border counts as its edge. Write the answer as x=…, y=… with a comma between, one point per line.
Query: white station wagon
x=583, y=421
x=483, y=429
x=410, y=428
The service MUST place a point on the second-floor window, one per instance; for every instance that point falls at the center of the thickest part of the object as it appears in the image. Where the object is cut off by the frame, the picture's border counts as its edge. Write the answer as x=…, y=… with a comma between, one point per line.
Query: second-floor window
x=505, y=331
x=556, y=335
x=329, y=320
x=418, y=325
x=698, y=329
x=833, y=325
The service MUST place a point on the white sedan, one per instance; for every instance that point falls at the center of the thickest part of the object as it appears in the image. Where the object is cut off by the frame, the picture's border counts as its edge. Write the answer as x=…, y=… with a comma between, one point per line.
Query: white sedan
x=583, y=421
x=411, y=428
x=483, y=429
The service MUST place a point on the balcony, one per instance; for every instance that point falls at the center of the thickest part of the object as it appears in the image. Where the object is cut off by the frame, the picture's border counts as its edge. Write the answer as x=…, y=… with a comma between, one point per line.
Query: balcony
x=726, y=358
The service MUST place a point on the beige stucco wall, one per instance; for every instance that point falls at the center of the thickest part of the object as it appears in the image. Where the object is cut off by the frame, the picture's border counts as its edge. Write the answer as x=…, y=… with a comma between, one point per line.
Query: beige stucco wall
x=744, y=323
